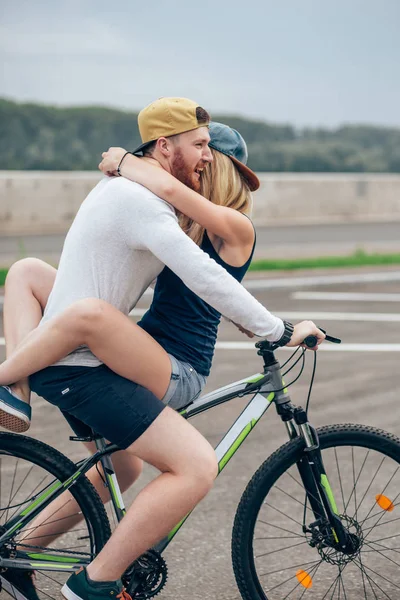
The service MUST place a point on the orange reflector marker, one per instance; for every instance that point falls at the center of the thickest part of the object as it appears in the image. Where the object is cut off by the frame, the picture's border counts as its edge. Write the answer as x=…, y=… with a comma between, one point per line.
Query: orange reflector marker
x=304, y=578
x=384, y=502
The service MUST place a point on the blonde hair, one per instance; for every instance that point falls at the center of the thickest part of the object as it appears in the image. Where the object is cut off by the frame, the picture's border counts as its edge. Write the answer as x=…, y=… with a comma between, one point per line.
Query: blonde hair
x=222, y=184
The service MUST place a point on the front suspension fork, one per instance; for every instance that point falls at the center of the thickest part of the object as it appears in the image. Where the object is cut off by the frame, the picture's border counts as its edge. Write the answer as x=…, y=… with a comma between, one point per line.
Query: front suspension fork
x=318, y=490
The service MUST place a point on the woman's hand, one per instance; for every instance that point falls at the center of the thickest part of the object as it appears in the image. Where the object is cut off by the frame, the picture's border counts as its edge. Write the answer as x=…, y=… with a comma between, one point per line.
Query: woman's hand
x=111, y=160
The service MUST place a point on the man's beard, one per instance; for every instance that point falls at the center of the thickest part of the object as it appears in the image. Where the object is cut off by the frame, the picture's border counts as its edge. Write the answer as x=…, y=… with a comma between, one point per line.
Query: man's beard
x=181, y=171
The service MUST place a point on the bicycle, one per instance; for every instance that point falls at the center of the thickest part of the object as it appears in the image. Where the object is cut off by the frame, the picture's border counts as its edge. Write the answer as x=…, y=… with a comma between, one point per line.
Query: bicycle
x=296, y=531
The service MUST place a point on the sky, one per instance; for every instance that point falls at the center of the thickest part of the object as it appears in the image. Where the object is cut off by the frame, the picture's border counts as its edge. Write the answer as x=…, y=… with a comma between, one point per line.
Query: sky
x=304, y=62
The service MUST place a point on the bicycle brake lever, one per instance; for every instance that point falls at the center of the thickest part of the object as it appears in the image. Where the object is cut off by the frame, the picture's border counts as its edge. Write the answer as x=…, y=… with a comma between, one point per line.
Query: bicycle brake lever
x=330, y=338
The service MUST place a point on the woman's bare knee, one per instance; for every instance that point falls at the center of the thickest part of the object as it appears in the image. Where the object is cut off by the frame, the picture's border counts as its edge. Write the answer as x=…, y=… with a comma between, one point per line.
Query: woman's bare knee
x=85, y=316
x=24, y=268
x=34, y=275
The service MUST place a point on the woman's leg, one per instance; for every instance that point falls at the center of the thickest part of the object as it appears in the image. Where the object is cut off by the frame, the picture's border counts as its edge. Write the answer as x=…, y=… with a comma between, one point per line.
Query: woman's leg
x=113, y=337
x=27, y=288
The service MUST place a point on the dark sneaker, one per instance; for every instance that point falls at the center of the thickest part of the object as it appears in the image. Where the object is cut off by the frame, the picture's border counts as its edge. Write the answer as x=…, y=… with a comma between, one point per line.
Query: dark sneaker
x=15, y=414
x=19, y=584
x=80, y=587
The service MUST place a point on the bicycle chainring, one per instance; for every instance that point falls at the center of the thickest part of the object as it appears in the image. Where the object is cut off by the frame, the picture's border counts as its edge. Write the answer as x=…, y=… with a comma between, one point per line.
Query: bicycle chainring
x=147, y=576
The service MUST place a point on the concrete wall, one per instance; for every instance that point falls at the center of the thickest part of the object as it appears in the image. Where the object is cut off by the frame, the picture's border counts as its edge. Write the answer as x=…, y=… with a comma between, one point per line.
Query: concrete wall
x=46, y=202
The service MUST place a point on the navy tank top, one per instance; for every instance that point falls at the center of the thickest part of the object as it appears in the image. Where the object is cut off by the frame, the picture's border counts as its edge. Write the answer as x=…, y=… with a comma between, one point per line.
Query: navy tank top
x=181, y=322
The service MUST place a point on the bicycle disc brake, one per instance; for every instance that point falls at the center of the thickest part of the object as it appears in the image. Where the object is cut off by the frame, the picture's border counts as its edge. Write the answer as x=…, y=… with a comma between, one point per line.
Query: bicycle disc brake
x=147, y=576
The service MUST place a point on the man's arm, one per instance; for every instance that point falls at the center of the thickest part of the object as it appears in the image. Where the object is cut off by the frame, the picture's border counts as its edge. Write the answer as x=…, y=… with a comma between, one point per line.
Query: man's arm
x=153, y=226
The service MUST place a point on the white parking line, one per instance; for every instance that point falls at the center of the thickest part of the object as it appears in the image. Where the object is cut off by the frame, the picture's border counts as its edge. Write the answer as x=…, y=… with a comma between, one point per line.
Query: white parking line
x=138, y=312
x=341, y=296
x=339, y=316
x=284, y=282
x=324, y=347
x=314, y=316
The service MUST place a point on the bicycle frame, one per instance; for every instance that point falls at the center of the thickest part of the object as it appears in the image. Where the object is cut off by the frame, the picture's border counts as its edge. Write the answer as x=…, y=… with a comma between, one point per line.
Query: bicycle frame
x=265, y=388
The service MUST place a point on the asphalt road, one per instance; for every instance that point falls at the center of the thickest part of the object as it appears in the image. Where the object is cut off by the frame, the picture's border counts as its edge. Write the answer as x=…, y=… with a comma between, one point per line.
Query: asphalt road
x=356, y=386
x=293, y=241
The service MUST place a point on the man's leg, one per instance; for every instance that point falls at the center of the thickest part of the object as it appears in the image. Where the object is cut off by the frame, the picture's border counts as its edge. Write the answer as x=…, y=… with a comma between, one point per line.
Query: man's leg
x=45, y=528
x=188, y=468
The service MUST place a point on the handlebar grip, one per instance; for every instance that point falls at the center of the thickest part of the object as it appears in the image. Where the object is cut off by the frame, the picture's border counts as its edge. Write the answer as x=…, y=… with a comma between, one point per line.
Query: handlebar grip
x=311, y=341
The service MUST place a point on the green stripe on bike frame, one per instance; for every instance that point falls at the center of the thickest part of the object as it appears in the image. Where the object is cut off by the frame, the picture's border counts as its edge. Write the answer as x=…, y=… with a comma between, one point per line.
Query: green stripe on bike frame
x=114, y=492
x=242, y=436
x=254, y=379
x=240, y=439
x=47, y=565
x=50, y=557
x=71, y=479
x=176, y=528
x=46, y=494
x=328, y=490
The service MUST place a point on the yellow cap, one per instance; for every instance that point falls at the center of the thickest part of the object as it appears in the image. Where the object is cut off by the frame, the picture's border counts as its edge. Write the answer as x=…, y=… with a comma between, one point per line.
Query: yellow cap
x=166, y=117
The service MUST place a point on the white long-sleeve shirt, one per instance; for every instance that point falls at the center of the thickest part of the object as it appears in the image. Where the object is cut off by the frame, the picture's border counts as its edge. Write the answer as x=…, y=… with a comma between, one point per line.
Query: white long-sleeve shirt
x=120, y=240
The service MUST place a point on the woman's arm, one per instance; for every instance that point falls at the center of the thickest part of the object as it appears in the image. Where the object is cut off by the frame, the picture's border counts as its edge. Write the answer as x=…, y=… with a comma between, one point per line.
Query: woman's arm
x=228, y=224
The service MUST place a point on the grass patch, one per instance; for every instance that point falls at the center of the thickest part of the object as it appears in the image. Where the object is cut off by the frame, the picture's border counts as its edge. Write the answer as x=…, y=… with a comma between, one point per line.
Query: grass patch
x=3, y=275
x=358, y=259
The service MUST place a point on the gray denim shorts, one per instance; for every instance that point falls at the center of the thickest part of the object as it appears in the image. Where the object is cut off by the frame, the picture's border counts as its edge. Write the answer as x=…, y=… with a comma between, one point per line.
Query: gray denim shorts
x=185, y=385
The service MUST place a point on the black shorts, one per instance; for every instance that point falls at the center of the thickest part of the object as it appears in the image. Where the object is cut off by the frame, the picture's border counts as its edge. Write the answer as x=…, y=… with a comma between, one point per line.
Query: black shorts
x=97, y=399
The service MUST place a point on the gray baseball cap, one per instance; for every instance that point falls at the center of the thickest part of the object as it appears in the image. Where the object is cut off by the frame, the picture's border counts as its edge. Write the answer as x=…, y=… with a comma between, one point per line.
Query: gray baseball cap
x=230, y=142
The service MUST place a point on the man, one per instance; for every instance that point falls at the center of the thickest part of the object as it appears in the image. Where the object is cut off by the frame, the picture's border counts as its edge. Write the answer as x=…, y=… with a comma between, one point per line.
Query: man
x=120, y=240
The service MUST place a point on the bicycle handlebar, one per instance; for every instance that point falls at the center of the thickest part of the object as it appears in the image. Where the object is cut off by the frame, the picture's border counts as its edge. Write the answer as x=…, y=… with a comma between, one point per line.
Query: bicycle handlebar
x=311, y=340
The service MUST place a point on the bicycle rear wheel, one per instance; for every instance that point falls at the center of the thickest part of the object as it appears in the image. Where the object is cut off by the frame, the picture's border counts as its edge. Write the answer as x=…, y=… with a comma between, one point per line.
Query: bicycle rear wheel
x=274, y=559
x=27, y=467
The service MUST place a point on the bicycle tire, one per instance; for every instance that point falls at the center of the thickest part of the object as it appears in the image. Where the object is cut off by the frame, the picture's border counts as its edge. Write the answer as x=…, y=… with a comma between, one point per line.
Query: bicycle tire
x=58, y=466
x=257, y=490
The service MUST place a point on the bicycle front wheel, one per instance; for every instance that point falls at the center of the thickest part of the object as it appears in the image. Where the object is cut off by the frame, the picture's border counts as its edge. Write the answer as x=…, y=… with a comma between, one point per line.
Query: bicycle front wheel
x=74, y=525
x=274, y=555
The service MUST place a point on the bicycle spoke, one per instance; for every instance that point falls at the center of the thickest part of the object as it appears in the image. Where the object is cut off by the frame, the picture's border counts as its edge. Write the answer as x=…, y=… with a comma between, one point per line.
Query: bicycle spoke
x=303, y=564
x=363, y=580
x=340, y=481
x=341, y=579
x=51, y=522
x=281, y=528
x=31, y=494
x=378, y=521
x=312, y=572
x=284, y=514
x=397, y=550
x=377, y=514
x=334, y=583
x=281, y=549
x=386, y=557
x=278, y=537
x=389, y=537
x=12, y=487
x=292, y=497
x=288, y=579
x=382, y=492
x=382, y=577
x=370, y=579
x=22, y=482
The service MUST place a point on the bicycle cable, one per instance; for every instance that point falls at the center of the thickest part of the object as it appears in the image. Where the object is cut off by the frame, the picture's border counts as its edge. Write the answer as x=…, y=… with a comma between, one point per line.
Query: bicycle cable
x=291, y=356
x=302, y=356
x=294, y=364
x=311, y=382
